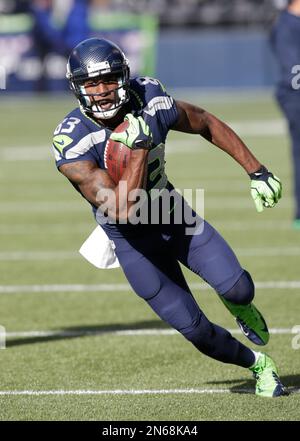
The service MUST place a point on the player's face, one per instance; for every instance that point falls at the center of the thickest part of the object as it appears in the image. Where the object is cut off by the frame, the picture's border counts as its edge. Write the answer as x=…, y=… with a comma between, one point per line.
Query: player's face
x=103, y=89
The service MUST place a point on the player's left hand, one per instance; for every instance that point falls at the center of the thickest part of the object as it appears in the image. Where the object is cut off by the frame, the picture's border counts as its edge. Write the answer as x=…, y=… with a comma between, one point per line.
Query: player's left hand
x=136, y=136
x=266, y=189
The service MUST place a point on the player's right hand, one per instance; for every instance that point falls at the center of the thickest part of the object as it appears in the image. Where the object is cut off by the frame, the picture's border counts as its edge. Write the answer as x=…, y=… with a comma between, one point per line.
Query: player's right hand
x=266, y=189
x=136, y=136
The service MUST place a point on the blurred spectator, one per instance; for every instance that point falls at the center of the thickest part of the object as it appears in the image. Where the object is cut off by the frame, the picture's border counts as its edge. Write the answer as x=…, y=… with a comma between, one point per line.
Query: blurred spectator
x=60, y=26
x=285, y=40
x=59, y=31
x=13, y=6
x=49, y=33
x=77, y=26
x=36, y=37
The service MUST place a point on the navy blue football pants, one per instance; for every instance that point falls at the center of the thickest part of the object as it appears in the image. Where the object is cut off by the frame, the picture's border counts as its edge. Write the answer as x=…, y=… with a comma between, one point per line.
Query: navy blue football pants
x=291, y=109
x=151, y=265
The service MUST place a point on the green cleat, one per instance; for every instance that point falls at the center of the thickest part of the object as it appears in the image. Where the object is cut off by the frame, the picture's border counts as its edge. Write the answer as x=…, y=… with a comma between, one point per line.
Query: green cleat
x=265, y=373
x=250, y=320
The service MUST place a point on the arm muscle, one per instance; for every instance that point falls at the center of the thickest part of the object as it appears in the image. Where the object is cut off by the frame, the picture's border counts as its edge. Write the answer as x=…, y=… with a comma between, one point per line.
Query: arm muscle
x=98, y=188
x=193, y=119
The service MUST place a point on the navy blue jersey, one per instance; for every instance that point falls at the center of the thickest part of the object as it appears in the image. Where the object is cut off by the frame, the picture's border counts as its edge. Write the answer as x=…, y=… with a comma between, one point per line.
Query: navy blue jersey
x=80, y=138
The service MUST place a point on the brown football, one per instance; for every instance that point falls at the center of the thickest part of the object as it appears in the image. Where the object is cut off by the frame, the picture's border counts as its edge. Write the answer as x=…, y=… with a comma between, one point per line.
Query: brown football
x=116, y=155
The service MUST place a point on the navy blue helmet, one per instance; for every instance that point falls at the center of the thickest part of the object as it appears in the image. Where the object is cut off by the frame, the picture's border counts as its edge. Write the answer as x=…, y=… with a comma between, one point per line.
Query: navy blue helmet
x=98, y=58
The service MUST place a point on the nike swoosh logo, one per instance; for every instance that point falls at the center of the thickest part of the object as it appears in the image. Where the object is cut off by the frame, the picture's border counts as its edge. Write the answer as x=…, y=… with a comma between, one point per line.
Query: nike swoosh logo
x=60, y=142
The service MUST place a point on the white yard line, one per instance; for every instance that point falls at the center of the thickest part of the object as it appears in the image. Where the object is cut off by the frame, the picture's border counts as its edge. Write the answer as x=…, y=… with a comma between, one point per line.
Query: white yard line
x=69, y=228
x=210, y=202
x=273, y=225
x=132, y=391
x=262, y=128
x=128, y=333
x=124, y=287
x=25, y=153
x=272, y=127
x=121, y=392
x=38, y=255
x=10, y=289
x=23, y=207
x=53, y=228
x=8, y=256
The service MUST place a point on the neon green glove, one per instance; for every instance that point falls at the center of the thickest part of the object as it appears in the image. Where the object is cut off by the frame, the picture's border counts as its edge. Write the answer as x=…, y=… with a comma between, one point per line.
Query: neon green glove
x=266, y=189
x=136, y=136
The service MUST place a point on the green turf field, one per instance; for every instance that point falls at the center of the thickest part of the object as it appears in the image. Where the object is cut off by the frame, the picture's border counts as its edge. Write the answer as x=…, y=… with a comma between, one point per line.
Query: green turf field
x=80, y=344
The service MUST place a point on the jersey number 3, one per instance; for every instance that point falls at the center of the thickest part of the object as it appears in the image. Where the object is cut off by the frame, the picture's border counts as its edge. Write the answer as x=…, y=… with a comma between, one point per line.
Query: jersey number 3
x=67, y=126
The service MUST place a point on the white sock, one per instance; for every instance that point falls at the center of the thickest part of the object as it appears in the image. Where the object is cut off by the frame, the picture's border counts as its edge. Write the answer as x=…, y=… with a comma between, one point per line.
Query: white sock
x=256, y=355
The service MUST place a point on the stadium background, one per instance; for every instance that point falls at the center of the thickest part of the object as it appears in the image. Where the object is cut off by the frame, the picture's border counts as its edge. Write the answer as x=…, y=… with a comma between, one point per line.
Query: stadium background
x=80, y=344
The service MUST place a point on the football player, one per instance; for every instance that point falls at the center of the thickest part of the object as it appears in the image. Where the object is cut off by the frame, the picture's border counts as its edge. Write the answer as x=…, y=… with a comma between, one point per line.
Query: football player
x=285, y=40
x=149, y=254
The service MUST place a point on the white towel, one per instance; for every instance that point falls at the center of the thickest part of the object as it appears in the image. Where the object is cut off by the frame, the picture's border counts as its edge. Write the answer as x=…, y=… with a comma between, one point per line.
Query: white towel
x=98, y=249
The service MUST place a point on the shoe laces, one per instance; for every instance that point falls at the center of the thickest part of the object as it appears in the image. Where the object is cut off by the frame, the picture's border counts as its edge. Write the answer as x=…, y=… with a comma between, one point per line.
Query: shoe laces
x=259, y=377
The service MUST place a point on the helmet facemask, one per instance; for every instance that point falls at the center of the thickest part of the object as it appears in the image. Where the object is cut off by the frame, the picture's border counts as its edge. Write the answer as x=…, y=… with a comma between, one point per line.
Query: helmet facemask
x=89, y=102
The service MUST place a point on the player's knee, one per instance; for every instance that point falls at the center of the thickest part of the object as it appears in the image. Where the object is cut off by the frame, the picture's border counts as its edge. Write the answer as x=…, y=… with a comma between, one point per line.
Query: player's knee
x=144, y=281
x=147, y=290
x=242, y=292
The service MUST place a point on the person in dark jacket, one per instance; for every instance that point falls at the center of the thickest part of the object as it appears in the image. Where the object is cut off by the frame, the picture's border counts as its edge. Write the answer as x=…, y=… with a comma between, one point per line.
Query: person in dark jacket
x=285, y=39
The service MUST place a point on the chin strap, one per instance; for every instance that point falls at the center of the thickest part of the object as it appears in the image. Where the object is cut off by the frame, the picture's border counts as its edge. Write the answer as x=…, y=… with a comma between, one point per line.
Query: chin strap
x=106, y=114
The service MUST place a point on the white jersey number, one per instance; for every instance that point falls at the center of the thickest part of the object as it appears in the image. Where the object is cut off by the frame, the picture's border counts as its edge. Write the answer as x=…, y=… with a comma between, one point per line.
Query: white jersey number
x=143, y=81
x=156, y=167
x=71, y=123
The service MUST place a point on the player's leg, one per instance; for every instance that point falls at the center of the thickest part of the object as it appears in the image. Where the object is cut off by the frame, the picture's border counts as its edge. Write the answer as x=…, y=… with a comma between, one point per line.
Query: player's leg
x=238, y=300
x=209, y=255
x=158, y=279
x=294, y=115
x=156, y=276
x=291, y=109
